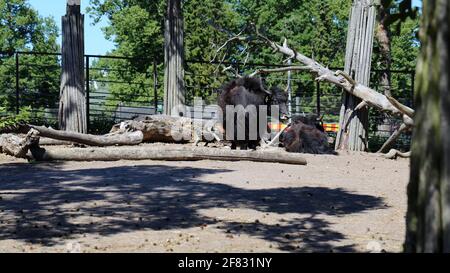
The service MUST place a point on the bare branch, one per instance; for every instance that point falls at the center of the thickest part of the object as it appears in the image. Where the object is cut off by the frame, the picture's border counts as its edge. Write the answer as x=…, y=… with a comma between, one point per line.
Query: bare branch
x=276, y=138
x=237, y=37
x=394, y=137
x=401, y=107
x=360, y=106
x=346, y=76
x=231, y=69
x=281, y=69
x=393, y=154
x=370, y=96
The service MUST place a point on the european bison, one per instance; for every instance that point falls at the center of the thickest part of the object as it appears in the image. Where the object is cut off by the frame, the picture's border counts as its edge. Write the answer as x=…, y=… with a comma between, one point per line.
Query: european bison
x=306, y=135
x=309, y=119
x=245, y=98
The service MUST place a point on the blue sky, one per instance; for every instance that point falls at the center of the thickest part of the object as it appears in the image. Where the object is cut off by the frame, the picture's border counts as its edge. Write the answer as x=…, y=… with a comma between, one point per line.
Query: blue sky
x=94, y=38
x=417, y=3
x=95, y=42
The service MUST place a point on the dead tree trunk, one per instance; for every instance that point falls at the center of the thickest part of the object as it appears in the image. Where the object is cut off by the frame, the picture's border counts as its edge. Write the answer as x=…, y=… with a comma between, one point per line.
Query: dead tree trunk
x=173, y=59
x=156, y=128
x=16, y=146
x=428, y=216
x=354, y=121
x=167, y=153
x=126, y=138
x=72, y=104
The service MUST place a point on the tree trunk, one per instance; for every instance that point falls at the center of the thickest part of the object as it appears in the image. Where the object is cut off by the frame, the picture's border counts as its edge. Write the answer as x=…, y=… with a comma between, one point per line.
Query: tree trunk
x=383, y=36
x=174, y=92
x=72, y=104
x=428, y=217
x=354, y=122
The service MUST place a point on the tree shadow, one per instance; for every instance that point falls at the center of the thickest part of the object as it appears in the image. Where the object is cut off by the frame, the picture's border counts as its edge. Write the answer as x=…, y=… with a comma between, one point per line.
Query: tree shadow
x=42, y=203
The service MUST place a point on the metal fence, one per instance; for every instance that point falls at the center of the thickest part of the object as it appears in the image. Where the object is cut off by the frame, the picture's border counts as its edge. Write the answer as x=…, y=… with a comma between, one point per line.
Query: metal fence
x=308, y=96
x=120, y=88
x=117, y=87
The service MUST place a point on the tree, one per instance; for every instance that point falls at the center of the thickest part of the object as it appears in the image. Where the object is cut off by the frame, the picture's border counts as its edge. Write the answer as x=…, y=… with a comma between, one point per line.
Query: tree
x=135, y=26
x=72, y=104
x=317, y=28
x=428, y=216
x=204, y=20
x=383, y=37
x=174, y=93
x=396, y=48
x=22, y=29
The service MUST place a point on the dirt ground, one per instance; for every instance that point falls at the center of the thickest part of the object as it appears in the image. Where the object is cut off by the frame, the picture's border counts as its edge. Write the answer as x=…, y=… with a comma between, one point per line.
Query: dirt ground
x=346, y=203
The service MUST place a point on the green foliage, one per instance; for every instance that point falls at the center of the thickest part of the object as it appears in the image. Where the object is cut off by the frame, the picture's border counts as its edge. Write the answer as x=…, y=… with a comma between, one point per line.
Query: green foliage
x=136, y=26
x=101, y=124
x=403, y=10
x=317, y=28
x=10, y=120
x=22, y=29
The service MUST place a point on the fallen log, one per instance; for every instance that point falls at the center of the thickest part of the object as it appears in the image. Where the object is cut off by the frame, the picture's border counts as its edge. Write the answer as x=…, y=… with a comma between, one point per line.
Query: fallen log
x=16, y=146
x=158, y=128
x=163, y=128
x=164, y=153
x=126, y=138
x=49, y=141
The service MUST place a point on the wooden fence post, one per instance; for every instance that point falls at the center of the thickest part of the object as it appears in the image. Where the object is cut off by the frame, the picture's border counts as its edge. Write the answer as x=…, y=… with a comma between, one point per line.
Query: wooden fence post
x=354, y=124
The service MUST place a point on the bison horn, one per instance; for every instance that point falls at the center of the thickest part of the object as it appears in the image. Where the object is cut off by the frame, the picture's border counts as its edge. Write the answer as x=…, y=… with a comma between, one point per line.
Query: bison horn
x=266, y=91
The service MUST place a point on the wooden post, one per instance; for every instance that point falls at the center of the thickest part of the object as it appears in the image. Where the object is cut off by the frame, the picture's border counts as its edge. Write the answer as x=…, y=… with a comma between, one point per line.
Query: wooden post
x=72, y=105
x=289, y=88
x=17, y=84
x=174, y=92
x=155, y=86
x=357, y=64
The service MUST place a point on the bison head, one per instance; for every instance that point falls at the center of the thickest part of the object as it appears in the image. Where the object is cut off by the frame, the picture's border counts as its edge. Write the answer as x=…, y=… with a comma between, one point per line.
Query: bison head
x=279, y=98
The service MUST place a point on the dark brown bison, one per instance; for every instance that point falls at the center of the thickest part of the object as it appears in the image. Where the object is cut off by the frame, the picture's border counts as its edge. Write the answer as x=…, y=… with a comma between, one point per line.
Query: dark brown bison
x=245, y=98
x=306, y=135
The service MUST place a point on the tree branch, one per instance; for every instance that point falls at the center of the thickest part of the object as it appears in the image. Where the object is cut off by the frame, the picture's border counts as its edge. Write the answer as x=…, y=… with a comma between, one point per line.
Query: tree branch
x=402, y=108
x=394, y=137
x=281, y=69
x=370, y=96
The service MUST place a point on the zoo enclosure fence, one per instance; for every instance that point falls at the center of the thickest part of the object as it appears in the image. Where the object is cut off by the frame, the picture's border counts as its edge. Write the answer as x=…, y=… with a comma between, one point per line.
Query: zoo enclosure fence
x=119, y=88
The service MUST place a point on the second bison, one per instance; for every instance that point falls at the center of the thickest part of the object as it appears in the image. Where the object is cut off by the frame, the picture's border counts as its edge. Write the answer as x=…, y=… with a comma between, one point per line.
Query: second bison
x=306, y=135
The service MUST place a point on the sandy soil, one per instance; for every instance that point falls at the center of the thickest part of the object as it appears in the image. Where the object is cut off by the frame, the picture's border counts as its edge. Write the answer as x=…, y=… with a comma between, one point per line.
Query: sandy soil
x=351, y=202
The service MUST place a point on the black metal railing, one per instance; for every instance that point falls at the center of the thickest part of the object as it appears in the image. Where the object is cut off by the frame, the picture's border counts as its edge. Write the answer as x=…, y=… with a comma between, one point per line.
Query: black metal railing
x=121, y=87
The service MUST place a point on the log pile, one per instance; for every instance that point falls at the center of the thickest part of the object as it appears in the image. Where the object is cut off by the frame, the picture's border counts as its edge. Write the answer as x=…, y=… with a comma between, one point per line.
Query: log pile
x=123, y=143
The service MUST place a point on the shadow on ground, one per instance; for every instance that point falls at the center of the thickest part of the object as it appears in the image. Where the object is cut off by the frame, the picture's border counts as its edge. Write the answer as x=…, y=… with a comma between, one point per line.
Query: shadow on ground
x=43, y=203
